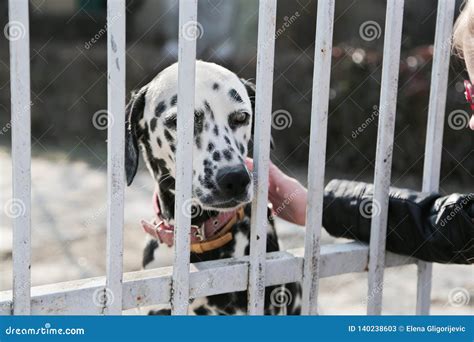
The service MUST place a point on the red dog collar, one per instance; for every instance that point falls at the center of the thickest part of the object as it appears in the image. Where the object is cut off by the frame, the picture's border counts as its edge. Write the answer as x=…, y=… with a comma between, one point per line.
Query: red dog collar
x=212, y=234
x=468, y=94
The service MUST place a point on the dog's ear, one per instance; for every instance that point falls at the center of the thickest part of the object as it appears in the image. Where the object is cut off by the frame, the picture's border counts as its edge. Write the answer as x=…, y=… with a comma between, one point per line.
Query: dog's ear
x=250, y=87
x=134, y=113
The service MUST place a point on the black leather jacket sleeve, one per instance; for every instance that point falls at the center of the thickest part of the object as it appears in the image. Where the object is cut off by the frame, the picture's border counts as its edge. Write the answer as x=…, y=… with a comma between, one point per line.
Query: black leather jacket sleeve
x=424, y=225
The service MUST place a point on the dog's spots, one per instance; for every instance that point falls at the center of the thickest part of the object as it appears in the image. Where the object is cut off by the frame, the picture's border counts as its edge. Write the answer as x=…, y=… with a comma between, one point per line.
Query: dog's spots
x=227, y=155
x=234, y=95
x=207, y=163
x=197, y=140
x=227, y=140
x=148, y=252
x=160, y=108
x=153, y=124
x=168, y=136
x=216, y=130
x=202, y=310
x=158, y=141
x=226, y=129
x=206, y=126
x=198, y=121
x=208, y=108
x=215, y=86
x=173, y=148
x=241, y=148
x=216, y=156
x=207, y=182
x=208, y=172
x=245, y=136
x=210, y=147
x=174, y=100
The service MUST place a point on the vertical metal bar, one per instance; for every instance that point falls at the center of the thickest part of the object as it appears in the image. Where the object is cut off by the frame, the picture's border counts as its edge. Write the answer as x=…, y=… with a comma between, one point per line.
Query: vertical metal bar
x=19, y=209
x=317, y=154
x=434, y=135
x=383, y=162
x=185, y=123
x=112, y=298
x=263, y=117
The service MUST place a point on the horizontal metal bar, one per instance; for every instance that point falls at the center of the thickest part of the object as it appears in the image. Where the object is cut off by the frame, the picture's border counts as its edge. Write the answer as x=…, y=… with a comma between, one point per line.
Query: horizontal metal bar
x=152, y=287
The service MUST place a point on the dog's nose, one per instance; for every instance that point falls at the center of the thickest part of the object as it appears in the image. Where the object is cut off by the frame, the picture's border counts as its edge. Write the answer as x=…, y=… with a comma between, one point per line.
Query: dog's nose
x=233, y=180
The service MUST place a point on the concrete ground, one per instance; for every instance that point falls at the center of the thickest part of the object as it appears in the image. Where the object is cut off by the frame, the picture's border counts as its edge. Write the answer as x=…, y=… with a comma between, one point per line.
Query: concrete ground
x=68, y=240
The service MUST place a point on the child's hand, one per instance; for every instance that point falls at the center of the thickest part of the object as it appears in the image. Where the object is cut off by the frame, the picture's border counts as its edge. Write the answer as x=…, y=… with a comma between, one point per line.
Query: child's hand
x=286, y=194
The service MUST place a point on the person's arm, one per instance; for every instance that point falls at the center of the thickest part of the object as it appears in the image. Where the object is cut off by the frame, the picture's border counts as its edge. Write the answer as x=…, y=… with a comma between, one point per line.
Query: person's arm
x=424, y=225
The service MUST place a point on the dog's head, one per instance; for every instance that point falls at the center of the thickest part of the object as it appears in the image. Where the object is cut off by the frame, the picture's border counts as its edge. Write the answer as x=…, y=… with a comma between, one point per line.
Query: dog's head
x=222, y=129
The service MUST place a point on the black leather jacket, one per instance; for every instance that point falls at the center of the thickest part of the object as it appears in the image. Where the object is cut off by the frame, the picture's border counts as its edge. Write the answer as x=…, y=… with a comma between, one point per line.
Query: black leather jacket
x=424, y=225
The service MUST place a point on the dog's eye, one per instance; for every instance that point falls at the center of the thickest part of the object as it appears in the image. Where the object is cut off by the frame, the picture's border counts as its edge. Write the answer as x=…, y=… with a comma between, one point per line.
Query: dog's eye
x=170, y=121
x=238, y=119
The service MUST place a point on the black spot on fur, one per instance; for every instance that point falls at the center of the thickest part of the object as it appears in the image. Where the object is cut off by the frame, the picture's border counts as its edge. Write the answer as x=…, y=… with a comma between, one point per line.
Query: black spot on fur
x=208, y=171
x=168, y=136
x=235, y=96
x=202, y=310
x=197, y=140
x=241, y=148
x=173, y=148
x=216, y=130
x=158, y=141
x=174, y=100
x=209, y=110
x=227, y=155
x=215, y=86
x=227, y=140
x=216, y=156
x=153, y=124
x=210, y=147
x=160, y=108
x=207, y=163
x=148, y=252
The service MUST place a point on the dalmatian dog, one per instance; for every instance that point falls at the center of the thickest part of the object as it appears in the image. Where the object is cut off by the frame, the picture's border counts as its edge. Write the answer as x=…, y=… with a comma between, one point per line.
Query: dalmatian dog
x=222, y=185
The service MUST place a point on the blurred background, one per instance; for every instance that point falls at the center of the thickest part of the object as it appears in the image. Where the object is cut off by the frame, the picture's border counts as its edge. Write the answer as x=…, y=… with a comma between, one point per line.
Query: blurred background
x=69, y=85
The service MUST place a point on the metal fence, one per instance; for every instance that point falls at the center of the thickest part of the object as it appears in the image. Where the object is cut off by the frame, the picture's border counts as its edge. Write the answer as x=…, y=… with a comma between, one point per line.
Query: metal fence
x=177, y=284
